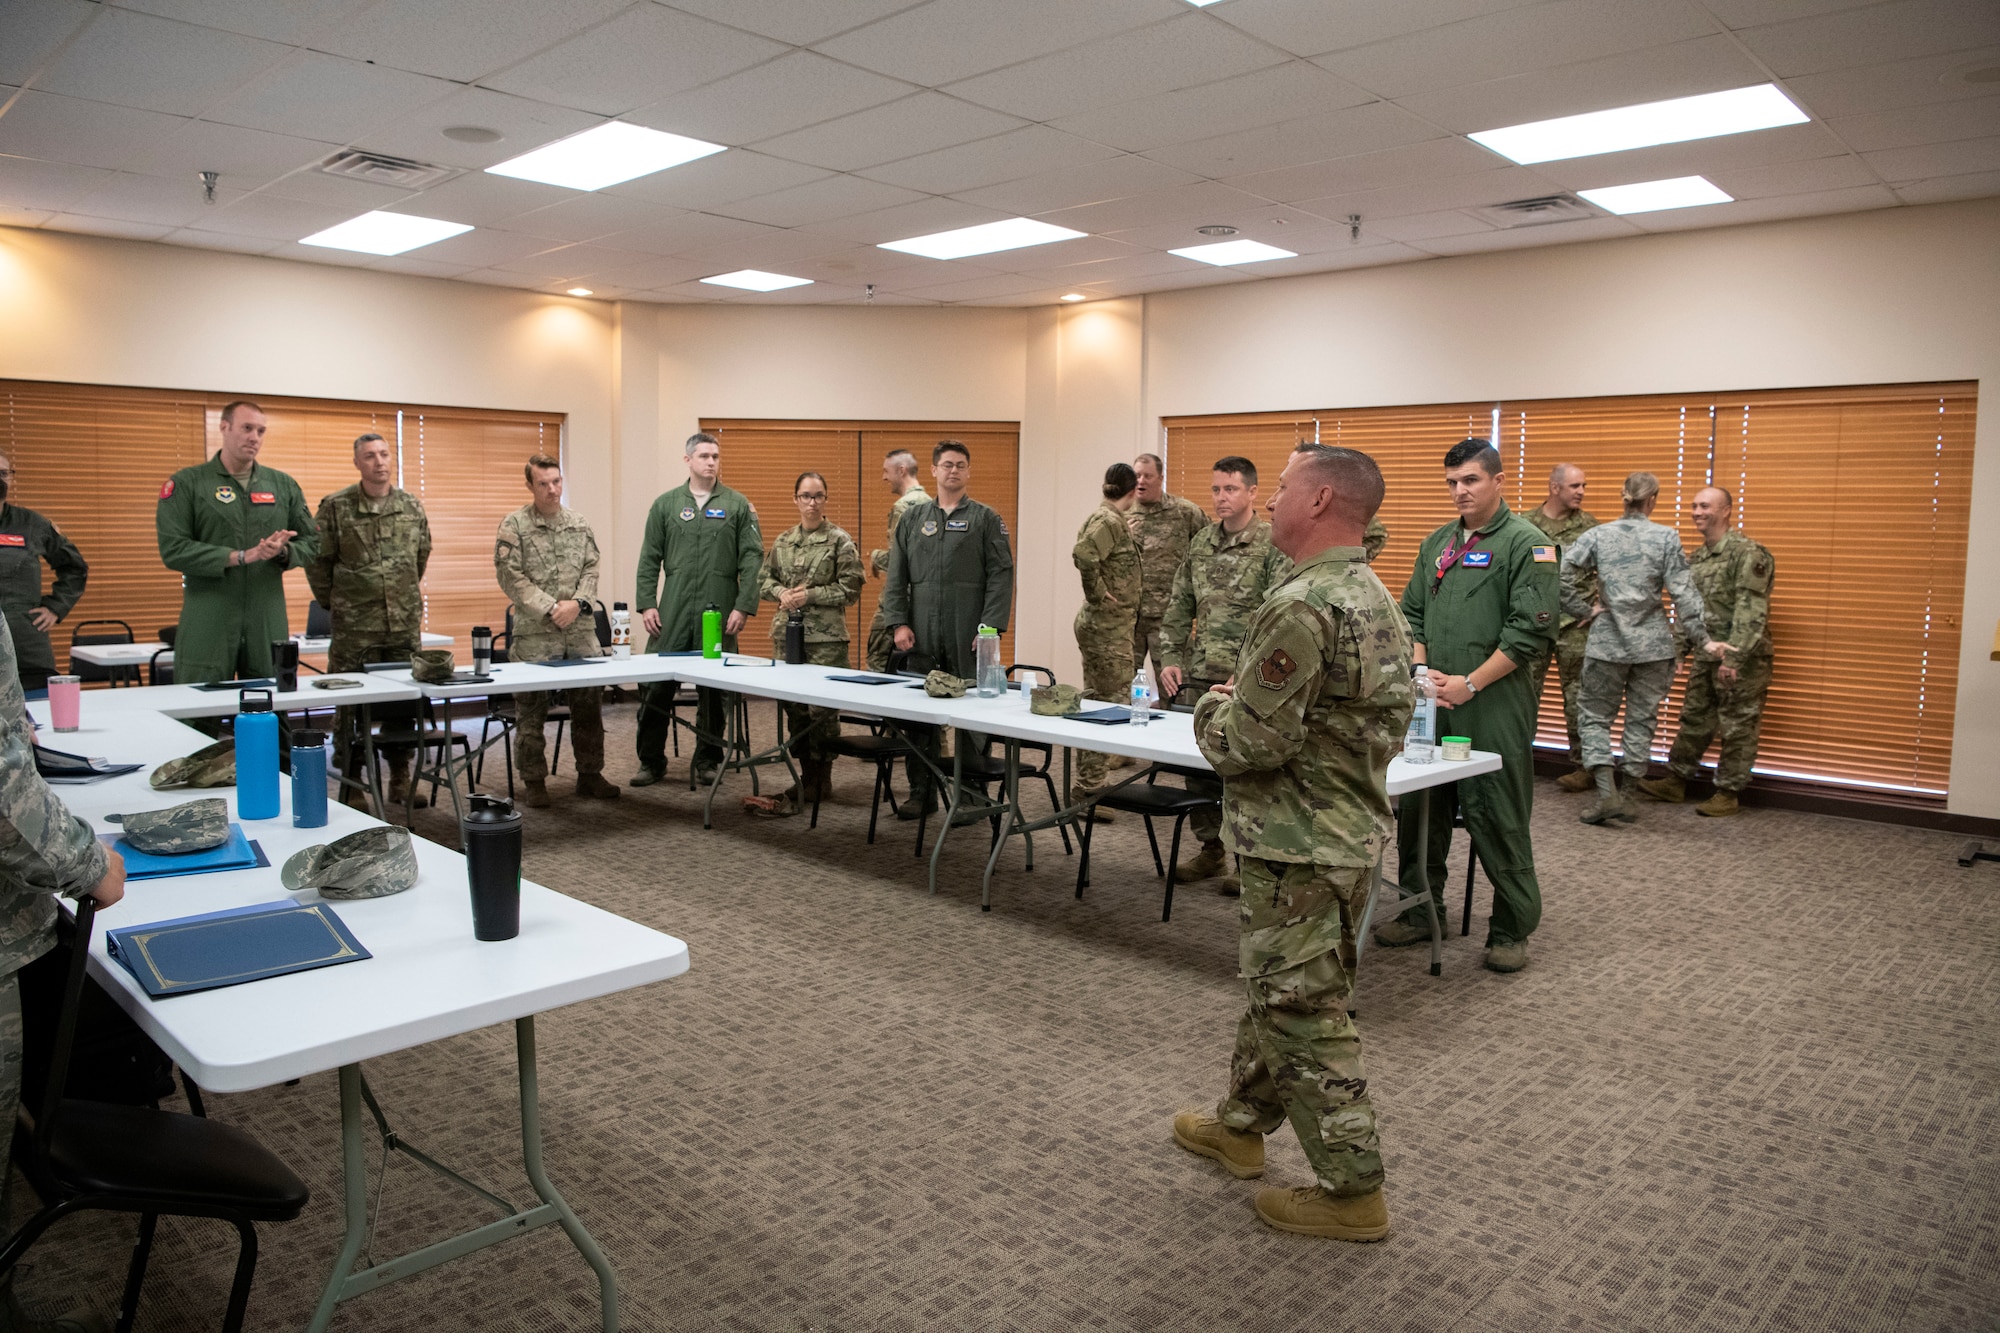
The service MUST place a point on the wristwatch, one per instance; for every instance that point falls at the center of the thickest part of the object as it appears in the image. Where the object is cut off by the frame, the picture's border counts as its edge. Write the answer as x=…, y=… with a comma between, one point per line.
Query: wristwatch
x=1470, y=688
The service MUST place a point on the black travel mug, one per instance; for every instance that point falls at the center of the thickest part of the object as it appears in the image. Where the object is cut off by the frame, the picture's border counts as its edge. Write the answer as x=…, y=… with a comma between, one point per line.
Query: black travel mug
x=285, y=664
x=491, y=831
x=795, y=638
x=482, y=649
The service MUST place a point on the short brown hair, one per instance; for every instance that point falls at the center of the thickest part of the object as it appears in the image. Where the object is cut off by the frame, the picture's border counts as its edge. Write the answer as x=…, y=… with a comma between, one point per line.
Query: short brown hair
x=229, y=409
x=540, y=462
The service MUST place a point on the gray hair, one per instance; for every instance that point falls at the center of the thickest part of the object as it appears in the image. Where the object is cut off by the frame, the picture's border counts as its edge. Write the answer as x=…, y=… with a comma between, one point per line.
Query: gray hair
x=367, y=437
x=902, y=459
x=1356, y=480
x=699, y=437
x=1560, y=472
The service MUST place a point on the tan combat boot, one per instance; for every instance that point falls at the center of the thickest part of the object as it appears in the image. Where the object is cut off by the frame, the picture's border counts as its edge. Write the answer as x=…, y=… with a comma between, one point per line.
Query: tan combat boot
x=1400, y=934
x=1212, y=862
x=1669, y=789
x=1576, y=780
x=1718, y=806
x=1240, y=1151
x=538, y=794
x=1314, y=1212
x=594, y=785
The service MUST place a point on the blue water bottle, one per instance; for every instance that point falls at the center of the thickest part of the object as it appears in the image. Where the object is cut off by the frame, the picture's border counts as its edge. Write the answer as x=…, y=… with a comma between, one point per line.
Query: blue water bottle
x=256, y=757
x=308, y=779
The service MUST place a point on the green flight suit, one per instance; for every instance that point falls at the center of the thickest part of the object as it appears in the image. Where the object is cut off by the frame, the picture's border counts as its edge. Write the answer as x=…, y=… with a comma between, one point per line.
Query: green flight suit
x=26, y=540
x=694, y=556
x=230, y=617
x=1509, y=600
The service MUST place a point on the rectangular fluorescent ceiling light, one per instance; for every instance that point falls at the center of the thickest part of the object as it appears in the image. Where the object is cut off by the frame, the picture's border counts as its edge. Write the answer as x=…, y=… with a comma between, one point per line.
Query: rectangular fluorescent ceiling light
x=985, y=239
x=756, y=280
x=611, y=153
x=385, y=233
x=1737, y=111
x=1234, y=252
x=1652, y=196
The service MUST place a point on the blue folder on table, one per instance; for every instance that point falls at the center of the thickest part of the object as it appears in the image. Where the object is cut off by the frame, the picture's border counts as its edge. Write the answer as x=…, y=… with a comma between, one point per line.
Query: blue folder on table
x=869, y=680
x=197, y=953
x=569, y=661
x=1106, y=717
x=239, y=853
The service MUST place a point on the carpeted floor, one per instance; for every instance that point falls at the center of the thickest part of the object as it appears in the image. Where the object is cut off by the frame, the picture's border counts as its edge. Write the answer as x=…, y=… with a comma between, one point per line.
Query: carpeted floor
x=1749, y=1082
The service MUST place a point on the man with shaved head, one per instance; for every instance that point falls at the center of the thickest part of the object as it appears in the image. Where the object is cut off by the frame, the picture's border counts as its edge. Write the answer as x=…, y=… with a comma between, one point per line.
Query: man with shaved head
x=1562, y=520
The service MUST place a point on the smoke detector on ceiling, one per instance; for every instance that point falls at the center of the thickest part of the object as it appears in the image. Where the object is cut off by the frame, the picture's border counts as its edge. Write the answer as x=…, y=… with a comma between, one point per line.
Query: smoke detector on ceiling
x=1215, y=229
x=1536, y=212
x=382, y=169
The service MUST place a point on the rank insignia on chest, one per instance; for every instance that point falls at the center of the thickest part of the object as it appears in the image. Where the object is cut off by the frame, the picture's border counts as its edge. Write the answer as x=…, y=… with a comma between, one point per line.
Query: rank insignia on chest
x=958, y=525
x=225, y=495
x=715, y=512
x=687, y=515
x=1545, y=555
x=1276, y=669
x=263, y=497
x=12, y=539
x=930, y=527
x=1477, y=559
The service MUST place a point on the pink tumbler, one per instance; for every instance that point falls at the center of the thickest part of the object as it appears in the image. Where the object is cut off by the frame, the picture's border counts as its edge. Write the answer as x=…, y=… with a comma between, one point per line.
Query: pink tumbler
x=65, y=701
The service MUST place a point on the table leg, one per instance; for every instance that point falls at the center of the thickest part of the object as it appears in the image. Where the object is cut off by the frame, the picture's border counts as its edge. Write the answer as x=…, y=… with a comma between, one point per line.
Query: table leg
x=951, y=805
x=545, y=1190
x=1401, y=899
x=354, y=1167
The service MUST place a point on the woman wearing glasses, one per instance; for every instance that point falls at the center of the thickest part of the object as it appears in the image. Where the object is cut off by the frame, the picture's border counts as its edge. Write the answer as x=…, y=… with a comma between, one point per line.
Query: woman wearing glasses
x=814, y=568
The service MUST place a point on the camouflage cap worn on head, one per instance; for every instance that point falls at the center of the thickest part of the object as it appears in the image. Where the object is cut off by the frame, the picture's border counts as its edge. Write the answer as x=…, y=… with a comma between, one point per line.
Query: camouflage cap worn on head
x=192, y=826
x=944, y=685
x=432, y=666
x=210, y=766
x=1055, y=700
x=373, y=863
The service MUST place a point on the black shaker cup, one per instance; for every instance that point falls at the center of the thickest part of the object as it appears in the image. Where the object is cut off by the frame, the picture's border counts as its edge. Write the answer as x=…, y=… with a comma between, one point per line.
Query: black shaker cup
x=491, y=830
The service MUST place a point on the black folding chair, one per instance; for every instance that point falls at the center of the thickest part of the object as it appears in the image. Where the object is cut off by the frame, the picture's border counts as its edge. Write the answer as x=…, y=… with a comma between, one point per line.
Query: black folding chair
x=319, y=621
x=1150, y=801
x=87, y=672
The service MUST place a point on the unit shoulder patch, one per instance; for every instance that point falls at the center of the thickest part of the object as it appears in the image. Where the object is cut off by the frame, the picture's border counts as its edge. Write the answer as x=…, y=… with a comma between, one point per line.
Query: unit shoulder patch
x=1545, y=555
x=167, y=490
x=226, y=494
x=1276, y=668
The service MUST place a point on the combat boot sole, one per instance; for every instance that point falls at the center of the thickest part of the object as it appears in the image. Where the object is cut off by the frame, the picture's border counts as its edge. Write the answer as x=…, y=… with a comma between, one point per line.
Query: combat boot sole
x=1241, y=1154
x=1313, y=1212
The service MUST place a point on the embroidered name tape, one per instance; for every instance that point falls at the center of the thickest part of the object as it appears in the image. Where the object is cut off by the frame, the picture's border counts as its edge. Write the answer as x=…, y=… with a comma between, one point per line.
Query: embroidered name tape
x=12, y=539
x=958, y=525
x=1476, y=559
x=715, y=513
x=263, y=497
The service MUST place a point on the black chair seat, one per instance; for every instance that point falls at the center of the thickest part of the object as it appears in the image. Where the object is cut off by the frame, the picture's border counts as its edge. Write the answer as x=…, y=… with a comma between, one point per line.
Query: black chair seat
x=139, y=1153
x=1141, y=798
x=1152, y=802
x=869, y=747
x=983, y=767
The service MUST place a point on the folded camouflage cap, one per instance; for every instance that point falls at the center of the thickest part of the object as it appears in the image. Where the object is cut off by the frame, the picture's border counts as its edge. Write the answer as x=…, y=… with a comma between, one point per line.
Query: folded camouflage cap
x=432, y=666
x=944, y=685
x=1055, y=700
x=192, y=826
x=210, y=766
x=373, y=863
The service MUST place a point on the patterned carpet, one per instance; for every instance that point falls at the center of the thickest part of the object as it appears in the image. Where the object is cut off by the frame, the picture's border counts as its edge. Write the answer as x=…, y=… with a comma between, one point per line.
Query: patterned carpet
x=1749, y=1082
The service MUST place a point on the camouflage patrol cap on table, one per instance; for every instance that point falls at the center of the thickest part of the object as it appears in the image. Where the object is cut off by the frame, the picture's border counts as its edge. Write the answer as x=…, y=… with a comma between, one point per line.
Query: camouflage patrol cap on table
x=432, y=666
x=944, y=685
x=373, y=863
x=210, y=766
x=1055, y=700
x=192, y=826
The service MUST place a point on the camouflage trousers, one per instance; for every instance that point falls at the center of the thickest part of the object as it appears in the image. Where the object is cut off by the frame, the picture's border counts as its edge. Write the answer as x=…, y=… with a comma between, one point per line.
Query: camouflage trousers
x=812, y=728
x=1642, y=687
x=346, y=655
x=1298, y=1056
x=586, y=731
x=1107, y=675
x=12, y=1037
x=1735, y=711
x=1568, y=662
x=881, y=642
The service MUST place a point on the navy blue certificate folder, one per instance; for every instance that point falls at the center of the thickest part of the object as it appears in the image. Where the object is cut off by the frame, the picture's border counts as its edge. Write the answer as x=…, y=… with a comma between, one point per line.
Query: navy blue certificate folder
x=197, y=953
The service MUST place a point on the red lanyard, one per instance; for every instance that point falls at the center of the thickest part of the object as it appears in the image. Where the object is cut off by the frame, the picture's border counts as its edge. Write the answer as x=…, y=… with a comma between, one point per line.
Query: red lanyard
x=1451, y=556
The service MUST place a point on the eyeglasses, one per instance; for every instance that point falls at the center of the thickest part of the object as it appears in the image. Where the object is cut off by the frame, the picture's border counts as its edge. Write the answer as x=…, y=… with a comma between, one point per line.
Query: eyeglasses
x=810, y=499
x=952, y=465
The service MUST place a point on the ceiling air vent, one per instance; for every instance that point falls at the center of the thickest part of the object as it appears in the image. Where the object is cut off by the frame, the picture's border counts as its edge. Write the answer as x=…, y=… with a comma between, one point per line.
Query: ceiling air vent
x=1536, y=212
x=381, y=169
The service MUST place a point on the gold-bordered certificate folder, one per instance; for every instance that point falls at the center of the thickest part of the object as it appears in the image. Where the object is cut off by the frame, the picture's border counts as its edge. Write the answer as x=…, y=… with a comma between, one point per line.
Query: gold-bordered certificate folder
x=197, y=953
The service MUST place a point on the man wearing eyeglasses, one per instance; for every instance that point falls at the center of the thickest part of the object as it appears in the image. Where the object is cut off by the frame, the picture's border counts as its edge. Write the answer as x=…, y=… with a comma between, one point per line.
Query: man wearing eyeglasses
x=27, y=540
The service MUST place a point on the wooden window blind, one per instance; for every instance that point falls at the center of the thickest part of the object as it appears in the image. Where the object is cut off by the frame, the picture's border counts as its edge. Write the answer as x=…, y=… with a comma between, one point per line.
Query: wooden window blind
x=466, y=467
x=762, y=458
x=1862, y=495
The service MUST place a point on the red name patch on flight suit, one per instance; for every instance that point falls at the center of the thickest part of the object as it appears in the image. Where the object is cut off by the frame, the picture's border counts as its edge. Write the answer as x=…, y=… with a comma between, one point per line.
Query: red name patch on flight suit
x=263, y=498
x=12, y=539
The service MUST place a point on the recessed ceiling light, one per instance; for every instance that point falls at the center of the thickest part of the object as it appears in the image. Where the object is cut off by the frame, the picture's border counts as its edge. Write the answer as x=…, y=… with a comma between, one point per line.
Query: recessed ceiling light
x=1652, y=196
x=1234, y=252
x=756, y=280
x=1679, y=120
x=472, y=134
x=611, y=153
x=985, y=239
x=1074, y=296
x=384, y=233
x=579, y=291
x=1202, y=4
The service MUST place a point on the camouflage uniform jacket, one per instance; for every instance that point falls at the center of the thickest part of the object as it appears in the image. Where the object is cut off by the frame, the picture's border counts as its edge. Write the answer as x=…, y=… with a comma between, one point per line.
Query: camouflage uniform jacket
x=1733, y=575
x=1564, y=532
x=44, y=849
x=540, y=562
x=1322, y=700
x=1107, y=558
x=1634, y=558
x=908, y=500
x=370, y=568
x=1374, y=539
x=1217, y=589
x=1162, y=531
x=825, y=561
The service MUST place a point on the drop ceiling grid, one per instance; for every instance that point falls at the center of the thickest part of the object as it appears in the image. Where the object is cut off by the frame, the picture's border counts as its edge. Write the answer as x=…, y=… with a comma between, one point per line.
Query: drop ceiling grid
x=852, y=122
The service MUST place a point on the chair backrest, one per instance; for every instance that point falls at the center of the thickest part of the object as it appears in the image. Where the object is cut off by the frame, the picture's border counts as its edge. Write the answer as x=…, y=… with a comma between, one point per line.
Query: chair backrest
x=603, y=624
x=52, y=1095
x=501, y=642
x=158, y=672
x=319, y=621
x=1049, y=677
x=167, y=633
x=104, y=634
x=124, y=635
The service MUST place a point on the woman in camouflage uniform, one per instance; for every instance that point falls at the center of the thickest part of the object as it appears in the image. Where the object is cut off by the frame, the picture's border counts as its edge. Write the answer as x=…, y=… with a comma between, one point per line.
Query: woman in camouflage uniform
x=814, y=568
x=1108, y=560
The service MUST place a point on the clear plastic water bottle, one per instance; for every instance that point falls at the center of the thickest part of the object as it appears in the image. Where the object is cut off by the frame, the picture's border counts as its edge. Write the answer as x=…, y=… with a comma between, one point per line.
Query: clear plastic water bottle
x=1420, y=742
x=989, y=677
x=1142, y=699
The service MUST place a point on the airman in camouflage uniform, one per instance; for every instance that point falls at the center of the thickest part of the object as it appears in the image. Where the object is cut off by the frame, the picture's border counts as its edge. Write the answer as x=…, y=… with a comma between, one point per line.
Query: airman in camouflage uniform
x=545, y=557
x=1321, y=701
x=374, y=546
x=1108, y=560
x=1734, y=575
x=1217, y=589
x=1566, y=487
x=899, y=470
x=818, y=569
x=1162, y=526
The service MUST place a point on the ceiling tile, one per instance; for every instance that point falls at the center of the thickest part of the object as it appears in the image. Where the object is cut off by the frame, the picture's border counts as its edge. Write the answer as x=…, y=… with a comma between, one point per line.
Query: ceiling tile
x=1325, y=239
x=1201, y=202
x=718, y=179
x=480, y=200
x=171, y=201
x=904, y=221
x=589, y=217
x=1073, y=187
x=866, y=264
x=1812, y=176
x=785, y=94
x=244, y=158
x=1874, y=35
x=914, y=125
x=1517, y=41
x=771, y=250
x=1004, y=157
x=268, y=215
x=27, y=182
x=1752, y=13
x=522, y=124
x=1766, y=210
x=1788, y=143
x=1265, y=97
x=1078, y=250
x=1140, y=265
x=636, y=59
x=935, y=43
x=312, y=254
x=1524, y=238
x=1908, y=127
x=69, y=129
x=461, y=39
x=969, y=289
x=1313, y=27
x=828, y=197
x=685, y=231
x=1943, y=159
x=1361, y=129
x=23, y=217
x=350, y=196
x=799, y=22
x=35, y=28
x=93, y=226
x=156, y=64
x=215, y=240
x=654, y=273
x=1181, y=53
x=1426, y=226
x=295, y=22
x=1898, y=83
x=1474, y=190
x=494, y=277
x=1343, y=256
x=1432, y=160
x=481, y=248
x=325, y=97
x=419, y=268
x=573, y=261
x=1942, y=189
x=1258, y=220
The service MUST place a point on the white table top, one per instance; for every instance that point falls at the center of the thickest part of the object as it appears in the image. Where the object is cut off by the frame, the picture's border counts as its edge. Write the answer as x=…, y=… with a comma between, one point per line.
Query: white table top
x=523, y=677
x=429, y=640
x=189, y=701
x=428, y=977
x=810, y=684
x=115, y=654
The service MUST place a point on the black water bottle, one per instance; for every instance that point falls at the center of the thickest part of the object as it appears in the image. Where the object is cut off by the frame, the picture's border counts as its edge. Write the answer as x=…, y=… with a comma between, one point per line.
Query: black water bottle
x=795, y=637
x=491, y=831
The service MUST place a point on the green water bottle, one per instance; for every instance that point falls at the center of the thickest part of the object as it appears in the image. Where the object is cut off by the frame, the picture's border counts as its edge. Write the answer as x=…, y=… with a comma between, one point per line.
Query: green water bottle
x=711, y=632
